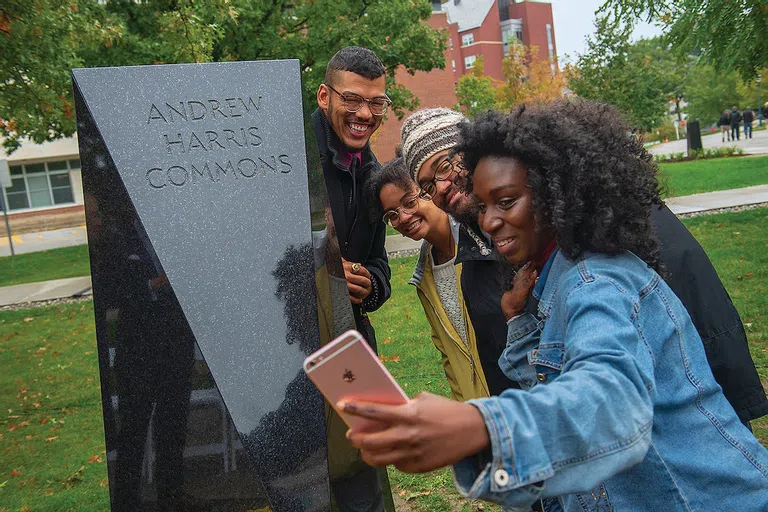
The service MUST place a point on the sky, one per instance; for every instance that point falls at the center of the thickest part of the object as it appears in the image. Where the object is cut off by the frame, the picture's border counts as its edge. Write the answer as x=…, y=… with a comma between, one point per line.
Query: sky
x=574, y=20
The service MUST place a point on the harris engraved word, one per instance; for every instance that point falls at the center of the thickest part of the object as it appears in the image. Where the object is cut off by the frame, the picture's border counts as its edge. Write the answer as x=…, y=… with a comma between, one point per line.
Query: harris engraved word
x=210, y=140
x=213, y=172
x=196, y=110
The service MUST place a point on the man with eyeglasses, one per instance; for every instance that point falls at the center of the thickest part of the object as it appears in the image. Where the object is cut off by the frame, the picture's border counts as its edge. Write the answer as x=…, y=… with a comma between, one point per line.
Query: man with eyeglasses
x=351, y=104
x=428, y=137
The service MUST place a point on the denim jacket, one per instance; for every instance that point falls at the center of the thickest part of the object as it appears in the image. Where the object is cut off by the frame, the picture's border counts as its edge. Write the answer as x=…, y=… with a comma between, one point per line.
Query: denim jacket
x=622, y=410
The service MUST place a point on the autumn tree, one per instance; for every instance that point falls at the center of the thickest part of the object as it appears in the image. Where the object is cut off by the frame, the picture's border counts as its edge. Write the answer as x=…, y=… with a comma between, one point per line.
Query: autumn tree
x=528, y=77
x=41, y=41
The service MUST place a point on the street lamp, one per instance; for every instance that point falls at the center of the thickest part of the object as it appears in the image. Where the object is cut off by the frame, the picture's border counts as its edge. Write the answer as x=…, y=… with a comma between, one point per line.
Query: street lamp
x=759, y=105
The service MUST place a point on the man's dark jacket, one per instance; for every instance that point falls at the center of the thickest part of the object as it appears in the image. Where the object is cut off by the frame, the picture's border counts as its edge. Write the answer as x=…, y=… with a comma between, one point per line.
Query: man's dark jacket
x=694, y=280
x=725, y=120
x=361, y=239
x=748, y=116
x=735, y=118
x=482, y=284
x=691, y=276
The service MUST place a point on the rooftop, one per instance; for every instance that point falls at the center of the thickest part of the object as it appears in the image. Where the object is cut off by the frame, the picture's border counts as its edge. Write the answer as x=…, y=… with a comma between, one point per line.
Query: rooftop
x=468, y=14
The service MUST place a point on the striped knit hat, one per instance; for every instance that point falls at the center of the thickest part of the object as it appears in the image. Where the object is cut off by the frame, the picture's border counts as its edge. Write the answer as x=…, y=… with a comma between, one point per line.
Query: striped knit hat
x=426, y=132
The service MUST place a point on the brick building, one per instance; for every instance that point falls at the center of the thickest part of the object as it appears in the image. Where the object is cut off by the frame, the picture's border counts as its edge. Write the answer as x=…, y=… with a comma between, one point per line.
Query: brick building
x=475, y=27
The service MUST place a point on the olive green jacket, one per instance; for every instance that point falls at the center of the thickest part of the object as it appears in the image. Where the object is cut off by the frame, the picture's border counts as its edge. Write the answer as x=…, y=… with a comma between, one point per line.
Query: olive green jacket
x=462, y=367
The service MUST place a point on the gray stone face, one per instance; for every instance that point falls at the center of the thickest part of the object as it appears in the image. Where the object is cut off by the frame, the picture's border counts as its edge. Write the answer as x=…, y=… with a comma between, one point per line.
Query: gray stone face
x=197, y=174
x=214, y=164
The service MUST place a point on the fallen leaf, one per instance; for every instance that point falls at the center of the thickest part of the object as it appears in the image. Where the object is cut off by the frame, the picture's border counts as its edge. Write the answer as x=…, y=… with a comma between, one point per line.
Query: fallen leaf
x=749, y=275
x=43, y=421
x=52, y=438
x=386, y=340
x=94, y=458
x=15, y=473
x=29, y=319
x=402, y=493
x=29, y=437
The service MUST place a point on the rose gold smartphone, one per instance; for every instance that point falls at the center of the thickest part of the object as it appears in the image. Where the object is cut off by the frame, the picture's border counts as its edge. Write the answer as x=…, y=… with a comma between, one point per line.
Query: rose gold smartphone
x=348, y=368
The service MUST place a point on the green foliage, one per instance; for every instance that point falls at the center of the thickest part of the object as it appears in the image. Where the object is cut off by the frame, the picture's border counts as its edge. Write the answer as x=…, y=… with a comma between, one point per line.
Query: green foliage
x=45, y=39
x=38, y=46
x=612, y=71
x=710, y=92
x=730, y=34
x=702, y=154
x=475, y=91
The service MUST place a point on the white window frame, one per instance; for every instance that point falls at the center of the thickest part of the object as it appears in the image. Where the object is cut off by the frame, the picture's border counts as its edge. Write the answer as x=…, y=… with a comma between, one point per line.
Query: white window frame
x=47, y=172
x=467, y=39
x=469, y=61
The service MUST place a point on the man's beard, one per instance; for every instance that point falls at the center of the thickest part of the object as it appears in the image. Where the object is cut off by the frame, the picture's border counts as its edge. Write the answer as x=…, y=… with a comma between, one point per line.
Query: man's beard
x=464, y=211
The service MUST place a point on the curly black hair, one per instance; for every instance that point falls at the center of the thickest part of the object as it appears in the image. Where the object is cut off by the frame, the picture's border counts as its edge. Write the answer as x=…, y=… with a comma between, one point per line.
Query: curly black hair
x=593, y=181
x=393, y=172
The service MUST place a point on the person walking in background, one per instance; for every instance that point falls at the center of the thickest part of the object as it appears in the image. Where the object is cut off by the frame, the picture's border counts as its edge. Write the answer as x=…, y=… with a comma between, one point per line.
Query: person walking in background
x=748, y=116
x=725, y=125
x=394, y=196
x=735, y=121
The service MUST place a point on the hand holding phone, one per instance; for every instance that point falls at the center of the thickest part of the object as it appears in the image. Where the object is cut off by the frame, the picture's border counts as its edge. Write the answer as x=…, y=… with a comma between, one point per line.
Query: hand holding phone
x=348, y=369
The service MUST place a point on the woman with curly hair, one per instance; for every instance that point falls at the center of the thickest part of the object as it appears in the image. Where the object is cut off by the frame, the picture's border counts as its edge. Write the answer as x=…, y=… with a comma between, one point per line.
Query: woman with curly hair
x=394, y=197
x=621, y=410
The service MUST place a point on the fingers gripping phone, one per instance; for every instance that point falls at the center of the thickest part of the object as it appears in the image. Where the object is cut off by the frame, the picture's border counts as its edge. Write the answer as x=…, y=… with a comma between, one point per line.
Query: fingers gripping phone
x=348, y=368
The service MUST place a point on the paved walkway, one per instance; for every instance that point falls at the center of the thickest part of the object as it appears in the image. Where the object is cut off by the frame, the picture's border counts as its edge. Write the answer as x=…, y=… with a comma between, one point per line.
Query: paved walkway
x=46, y=290
x=35, y=242
x=79, y=286
x=757, y=145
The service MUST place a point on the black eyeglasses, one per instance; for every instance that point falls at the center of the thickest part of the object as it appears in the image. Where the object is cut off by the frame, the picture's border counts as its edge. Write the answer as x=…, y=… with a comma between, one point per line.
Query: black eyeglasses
x=444, y=172
x=409, y=205
x=354, y=102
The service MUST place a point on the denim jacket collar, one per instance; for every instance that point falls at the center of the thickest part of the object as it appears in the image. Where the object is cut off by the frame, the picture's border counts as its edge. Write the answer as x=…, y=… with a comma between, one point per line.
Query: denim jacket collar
x=557, y=264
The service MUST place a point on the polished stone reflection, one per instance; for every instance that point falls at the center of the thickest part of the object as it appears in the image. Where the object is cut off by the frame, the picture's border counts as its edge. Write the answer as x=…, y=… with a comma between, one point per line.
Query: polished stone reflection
x=205, y=270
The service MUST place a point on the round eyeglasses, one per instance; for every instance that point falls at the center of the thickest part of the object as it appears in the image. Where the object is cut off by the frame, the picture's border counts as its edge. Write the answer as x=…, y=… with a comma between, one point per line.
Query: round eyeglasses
x=353, y=102
x=409, y=205
x=444, y=172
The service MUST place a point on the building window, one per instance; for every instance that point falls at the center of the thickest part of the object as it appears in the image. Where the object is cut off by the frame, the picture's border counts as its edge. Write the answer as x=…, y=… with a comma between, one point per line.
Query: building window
x=469, y=62
x=467, y=39
x=453, y=64
x=450, y=43
x=40, y=185
x=550, y=42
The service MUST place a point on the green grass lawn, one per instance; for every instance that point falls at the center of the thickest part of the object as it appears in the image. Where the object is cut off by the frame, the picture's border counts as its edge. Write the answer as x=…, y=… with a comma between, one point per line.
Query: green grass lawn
x=51, y=433
x=684, y=178
x=45, y=265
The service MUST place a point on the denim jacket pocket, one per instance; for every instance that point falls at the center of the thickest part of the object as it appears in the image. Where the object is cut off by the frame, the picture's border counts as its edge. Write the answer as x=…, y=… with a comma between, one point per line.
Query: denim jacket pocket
x=595, y=501
x=547, y=359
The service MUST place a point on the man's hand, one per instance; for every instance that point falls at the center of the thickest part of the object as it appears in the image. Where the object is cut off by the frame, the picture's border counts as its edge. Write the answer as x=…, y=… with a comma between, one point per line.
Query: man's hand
x=358, y=281
x=427, y=433
x=513, y=301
